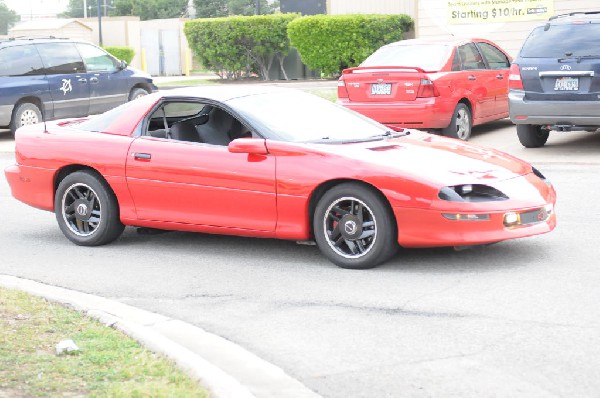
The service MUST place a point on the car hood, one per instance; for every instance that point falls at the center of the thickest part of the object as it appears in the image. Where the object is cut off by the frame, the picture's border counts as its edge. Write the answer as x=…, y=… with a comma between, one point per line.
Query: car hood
x=439, y=160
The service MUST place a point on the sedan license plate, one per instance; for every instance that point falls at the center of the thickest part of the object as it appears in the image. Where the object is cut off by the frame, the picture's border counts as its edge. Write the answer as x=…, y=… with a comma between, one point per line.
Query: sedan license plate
x=381, y=89
x=566, y=84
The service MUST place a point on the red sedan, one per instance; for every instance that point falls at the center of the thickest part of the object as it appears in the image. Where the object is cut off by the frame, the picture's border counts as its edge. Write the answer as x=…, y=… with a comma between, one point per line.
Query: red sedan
x=274, y=163
x=451, y=84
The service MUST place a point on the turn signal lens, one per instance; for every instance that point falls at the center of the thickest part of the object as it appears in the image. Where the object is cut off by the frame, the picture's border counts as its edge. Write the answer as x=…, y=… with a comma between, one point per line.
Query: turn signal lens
x=342, y=92
x=427, y=89
x=466, y=217
x=514, y=78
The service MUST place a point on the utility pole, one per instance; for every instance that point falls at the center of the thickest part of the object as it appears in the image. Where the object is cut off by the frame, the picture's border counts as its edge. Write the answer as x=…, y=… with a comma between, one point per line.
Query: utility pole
x=85, y=8
x=99, y=24
x=257, y=7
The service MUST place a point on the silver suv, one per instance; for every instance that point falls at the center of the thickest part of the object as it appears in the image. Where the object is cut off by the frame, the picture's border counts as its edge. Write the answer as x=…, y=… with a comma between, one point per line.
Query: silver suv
x=554, y=82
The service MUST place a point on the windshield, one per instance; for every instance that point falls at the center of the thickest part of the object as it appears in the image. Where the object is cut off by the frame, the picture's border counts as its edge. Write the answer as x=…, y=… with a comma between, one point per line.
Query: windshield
x=430, y=57
x=300, y=117
x=573, y=40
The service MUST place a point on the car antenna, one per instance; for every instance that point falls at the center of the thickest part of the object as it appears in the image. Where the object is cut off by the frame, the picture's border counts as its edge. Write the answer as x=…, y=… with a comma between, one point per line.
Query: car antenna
x=44, y=118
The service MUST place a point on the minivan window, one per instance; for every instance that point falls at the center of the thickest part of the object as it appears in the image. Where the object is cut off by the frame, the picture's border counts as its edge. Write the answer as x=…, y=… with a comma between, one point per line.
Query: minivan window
x=61, y=58
x=558, y=41
x=95, y=59
x=20, y=61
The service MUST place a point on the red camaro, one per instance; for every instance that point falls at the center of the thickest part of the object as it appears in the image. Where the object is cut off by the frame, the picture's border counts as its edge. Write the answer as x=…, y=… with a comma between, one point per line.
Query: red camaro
x=266, y=162
x=449, y=84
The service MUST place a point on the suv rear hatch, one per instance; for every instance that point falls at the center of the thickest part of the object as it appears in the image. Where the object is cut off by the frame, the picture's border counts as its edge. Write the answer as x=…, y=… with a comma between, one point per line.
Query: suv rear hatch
x=561, y=62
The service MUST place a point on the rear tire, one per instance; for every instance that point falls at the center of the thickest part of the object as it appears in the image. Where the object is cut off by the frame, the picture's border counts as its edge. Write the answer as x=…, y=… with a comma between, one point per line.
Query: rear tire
x=25, y=114
x=532, y=136
x=87, y=210
x=461, y=124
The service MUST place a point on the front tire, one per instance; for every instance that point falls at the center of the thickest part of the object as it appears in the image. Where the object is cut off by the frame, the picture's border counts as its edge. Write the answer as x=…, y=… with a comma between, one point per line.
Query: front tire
x=354, y=227
x=531, y=136
x=137, y=93
x=461, y=124
x=87, y=210
x=24, y=115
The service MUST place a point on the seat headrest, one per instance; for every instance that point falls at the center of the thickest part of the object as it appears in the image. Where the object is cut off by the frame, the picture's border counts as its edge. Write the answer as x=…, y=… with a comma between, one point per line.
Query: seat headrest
x=185, y=131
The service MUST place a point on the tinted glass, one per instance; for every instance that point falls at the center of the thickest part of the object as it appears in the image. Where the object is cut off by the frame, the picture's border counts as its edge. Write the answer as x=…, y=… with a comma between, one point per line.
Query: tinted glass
x=430, y=57
x=495, y=58
x=470, y=57
x=559, y=40
x=60, y=58
x=20, y=61
x=300, y=117
x=96, y=59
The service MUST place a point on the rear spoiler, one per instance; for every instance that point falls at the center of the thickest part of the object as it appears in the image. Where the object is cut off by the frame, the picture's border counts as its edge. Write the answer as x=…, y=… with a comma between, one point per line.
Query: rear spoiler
x=360, y=69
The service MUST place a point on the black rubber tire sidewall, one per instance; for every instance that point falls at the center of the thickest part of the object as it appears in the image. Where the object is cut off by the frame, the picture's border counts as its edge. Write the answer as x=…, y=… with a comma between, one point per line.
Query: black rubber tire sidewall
x=450, y=131
x=16, y=117
x=135, y=92
x=532, y=136
x=110, y=226
x=385, y=245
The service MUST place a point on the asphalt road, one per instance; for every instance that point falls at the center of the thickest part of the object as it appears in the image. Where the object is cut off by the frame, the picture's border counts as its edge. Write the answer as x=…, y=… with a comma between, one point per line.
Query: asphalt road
x=516, y=319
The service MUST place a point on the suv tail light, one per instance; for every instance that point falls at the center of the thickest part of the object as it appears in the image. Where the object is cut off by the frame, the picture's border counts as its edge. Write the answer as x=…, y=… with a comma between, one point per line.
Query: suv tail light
x=342, y=92
x=514, y=78
x=427, y=89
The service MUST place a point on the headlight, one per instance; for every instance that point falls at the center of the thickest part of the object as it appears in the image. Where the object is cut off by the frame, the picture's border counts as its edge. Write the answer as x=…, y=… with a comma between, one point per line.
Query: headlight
x=541, y=176
x=471, y=193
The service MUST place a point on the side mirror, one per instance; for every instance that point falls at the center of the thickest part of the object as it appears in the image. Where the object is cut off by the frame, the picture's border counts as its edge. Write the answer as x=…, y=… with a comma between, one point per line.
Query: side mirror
x=123, y=65
x=254, y=146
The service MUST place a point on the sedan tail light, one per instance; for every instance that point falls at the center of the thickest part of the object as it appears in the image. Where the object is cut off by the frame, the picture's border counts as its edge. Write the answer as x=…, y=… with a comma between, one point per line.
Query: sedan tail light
x=427, y=89
x=342, y=92
x=514, y=78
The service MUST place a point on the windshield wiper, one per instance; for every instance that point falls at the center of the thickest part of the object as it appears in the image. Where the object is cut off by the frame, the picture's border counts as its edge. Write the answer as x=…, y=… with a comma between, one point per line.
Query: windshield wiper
x=376, y=137
x=392, y=134
x=578, y=57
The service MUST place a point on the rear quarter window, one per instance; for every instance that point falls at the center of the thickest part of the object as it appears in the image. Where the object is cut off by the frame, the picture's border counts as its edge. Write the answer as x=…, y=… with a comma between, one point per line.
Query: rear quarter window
x=60, y=58
x=20, y=61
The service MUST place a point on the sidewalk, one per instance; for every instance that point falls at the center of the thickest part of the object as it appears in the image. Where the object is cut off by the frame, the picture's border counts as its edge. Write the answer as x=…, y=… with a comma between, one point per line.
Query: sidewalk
x=224, y=368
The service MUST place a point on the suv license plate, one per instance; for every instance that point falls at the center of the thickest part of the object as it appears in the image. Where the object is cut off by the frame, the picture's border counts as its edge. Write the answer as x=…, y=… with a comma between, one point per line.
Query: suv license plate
x=381, y=89
x=566, y=84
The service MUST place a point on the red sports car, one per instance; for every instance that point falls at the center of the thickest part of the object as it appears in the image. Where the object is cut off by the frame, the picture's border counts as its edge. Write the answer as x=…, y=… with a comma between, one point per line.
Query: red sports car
x=449, y=84
x=276, y=163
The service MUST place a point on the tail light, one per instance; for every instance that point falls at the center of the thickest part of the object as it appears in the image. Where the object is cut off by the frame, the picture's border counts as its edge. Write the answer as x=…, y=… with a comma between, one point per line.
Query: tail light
x=427, y=89
x=342, y=92
x=514, y=78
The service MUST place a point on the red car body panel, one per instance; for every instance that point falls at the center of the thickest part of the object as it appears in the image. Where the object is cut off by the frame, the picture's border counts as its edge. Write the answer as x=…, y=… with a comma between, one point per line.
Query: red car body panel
x=206, y=188
x=485, y=90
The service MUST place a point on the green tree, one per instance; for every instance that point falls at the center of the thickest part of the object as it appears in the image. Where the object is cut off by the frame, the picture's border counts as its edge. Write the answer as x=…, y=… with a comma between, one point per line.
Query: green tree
x=75, y=9
x=150, y=9
x=8, y=18
x=223, y=8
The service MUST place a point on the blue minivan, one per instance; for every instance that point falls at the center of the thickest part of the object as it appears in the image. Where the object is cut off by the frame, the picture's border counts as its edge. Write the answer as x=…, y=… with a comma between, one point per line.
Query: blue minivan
x=62, y=78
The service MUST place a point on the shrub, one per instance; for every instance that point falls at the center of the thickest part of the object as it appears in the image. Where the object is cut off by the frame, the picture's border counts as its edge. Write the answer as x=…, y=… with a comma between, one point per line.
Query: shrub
x=234, y=47
x=334, y=42
x=124, y=53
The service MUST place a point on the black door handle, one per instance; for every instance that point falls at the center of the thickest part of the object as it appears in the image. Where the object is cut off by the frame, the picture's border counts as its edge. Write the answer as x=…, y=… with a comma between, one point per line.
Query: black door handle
x=472, y=77
x=499, y=77
x=142, y=156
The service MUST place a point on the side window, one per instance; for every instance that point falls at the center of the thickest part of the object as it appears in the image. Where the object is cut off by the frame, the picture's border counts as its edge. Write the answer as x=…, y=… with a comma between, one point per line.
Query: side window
x=60, y=58
x=470, y=57
x=20, y=61
x=496, y=59
x=456, y=66
x=96, y=59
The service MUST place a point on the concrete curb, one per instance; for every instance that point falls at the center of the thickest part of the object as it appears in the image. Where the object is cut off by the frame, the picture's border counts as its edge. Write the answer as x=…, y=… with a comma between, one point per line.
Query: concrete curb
x=226, y=369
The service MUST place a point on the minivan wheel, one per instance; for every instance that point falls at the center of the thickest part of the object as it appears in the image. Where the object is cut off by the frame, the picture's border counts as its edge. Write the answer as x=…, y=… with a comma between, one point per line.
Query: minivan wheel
x=532, y=136
x=25, y=114
x=460, y=125
x=137, y=93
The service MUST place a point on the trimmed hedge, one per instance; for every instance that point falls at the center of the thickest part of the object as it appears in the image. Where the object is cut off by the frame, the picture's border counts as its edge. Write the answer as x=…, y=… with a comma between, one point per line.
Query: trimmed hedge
x=334, y=42
x=235, y=47
x=122, y=53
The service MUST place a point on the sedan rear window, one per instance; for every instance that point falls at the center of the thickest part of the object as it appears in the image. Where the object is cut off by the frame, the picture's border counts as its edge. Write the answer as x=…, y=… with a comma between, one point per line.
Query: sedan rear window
x=559, y=41
x=430, y=57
